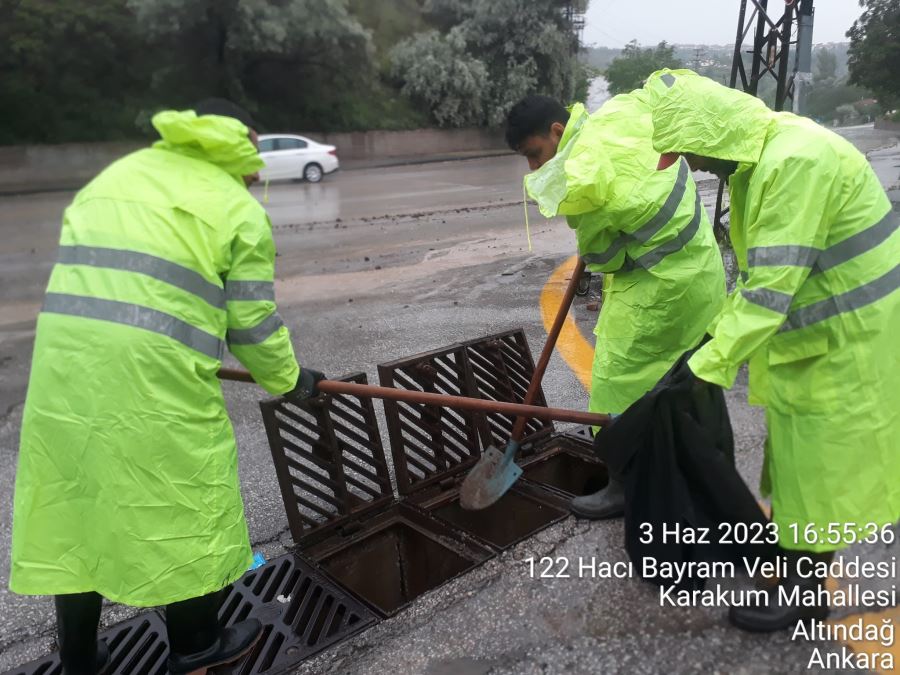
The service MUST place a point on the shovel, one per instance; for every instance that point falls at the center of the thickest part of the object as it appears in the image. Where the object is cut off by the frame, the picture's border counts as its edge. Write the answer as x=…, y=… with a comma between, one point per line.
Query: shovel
x=496, y=471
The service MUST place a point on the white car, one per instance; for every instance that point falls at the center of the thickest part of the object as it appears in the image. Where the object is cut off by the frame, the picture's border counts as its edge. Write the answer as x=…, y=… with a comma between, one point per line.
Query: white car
x=288, y=156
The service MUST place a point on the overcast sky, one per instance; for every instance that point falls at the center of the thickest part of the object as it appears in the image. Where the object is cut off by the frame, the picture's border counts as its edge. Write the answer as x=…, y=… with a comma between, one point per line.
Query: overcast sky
x=612, y=23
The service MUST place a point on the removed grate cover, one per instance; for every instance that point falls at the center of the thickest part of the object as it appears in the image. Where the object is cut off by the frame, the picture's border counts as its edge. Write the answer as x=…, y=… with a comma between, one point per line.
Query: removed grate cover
x=431, y=454
x=428, y=441
x=340, y=504
x=137, y=647
x=328, y=458
x=502, y=368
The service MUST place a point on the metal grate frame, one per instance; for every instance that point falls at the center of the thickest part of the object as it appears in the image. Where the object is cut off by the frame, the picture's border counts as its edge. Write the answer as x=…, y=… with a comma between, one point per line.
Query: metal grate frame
x=137, y=647
x=302, y=613
x=312, y=615
x=502, y=368
x=329, y=459
x=430, y=443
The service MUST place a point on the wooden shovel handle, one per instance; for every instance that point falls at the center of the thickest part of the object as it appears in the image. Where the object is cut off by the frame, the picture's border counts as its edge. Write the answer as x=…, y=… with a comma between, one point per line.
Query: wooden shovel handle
x=456, y=402
x=544, y=359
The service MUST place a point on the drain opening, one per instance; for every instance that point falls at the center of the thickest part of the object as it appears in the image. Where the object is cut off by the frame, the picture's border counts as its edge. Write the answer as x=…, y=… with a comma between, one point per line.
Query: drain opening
x=394, y=566
x=512, y=518
x=569, y=473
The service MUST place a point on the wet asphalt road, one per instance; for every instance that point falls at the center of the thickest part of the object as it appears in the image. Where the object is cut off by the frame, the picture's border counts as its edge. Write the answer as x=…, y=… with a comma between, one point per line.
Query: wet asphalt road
x=379, y=264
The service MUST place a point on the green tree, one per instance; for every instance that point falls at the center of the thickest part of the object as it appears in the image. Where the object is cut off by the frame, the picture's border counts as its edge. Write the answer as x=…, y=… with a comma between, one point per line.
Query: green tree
x=500, y=50
x=875, y=50
x=293, y=62
x=627, y=71
x=826, y=66
x=824, y=100
x=61, y=74
x=438, y=72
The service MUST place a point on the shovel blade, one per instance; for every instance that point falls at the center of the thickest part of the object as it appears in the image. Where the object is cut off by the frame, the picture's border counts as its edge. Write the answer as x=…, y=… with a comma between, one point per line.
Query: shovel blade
x=489, y=480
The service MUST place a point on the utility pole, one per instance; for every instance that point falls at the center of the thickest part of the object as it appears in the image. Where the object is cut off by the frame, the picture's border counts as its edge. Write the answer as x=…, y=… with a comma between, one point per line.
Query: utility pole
x=803, y=60
x=573, y=12
x=699, y=57
x=769, y=56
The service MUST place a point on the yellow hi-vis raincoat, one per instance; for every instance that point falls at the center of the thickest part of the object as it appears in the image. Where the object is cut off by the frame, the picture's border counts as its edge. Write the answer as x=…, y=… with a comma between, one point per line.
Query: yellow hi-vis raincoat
x=127, y=482
x=649, y=228
x=816, y=312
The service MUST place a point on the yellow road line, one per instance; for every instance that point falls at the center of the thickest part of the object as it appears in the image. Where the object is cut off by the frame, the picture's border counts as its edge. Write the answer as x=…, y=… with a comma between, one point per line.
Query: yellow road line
x=576, y=351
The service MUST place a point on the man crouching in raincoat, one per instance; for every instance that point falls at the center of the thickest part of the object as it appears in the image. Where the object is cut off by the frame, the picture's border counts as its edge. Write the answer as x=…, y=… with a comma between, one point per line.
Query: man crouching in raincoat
x=127, y=484
x=647, y=231
x=816, y=313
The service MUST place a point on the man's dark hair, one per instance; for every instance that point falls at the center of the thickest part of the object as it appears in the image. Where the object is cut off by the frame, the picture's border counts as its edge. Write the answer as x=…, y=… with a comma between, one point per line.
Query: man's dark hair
x=533, y=115
x=224, y=108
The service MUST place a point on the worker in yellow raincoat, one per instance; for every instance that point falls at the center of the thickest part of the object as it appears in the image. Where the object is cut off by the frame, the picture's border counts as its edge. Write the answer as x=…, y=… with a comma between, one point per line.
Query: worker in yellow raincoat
x=647, y=231
x=816, y=313
x=127, y=484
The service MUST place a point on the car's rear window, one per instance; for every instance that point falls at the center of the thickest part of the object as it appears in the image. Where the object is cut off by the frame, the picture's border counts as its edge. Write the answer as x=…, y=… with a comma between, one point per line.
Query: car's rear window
x=290, y=144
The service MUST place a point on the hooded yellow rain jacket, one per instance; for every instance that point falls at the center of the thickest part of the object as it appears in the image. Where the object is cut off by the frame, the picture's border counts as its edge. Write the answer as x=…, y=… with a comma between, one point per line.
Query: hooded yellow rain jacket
x=816, y=312
x=127, y=482
x=649, y=228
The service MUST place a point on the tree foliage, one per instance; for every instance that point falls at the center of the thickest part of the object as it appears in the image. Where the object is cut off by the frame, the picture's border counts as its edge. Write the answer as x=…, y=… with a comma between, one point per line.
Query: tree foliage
x=824, y=101
x=488, y=55
x=50, y=90
x=437, y=71
x=267, y=55
x=826, y=66
x=72, y=70
x=874, y=52
x=628, y=70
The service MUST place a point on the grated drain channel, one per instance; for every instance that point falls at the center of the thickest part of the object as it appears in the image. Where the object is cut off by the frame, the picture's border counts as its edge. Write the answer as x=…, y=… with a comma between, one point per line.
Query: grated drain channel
x=312, y=615
x=303, y=614
x=137, y=647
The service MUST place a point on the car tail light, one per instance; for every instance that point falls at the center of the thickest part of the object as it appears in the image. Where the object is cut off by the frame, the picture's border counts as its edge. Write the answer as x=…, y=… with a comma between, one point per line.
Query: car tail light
x=333, y=152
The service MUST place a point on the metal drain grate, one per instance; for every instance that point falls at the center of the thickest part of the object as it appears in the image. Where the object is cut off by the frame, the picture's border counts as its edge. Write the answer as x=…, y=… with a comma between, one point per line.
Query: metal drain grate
x=427, y=441
x=328, y=458
x=137, y=647
x=502, y=368
x=303, y=614
x=311, y=615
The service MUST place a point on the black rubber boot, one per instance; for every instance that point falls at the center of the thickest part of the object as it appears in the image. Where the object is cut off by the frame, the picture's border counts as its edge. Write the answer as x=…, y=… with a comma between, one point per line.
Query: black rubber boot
x=231, y=644
x=778, y=615
x=102, y=658
x=77, y=617
x=607, y=503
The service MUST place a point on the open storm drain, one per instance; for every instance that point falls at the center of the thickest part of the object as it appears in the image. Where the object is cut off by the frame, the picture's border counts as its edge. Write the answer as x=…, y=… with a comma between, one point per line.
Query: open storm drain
x=302, y=614
x=340, y=501
x=397, y=556
x=566, y=466
x=497, y=368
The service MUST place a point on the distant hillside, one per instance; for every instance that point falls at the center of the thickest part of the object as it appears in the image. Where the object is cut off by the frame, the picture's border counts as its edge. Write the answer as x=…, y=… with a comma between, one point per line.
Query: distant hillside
x=712, y=60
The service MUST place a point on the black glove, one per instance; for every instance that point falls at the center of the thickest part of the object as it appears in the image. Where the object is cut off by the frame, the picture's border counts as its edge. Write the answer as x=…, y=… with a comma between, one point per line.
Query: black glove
x=306, y=385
